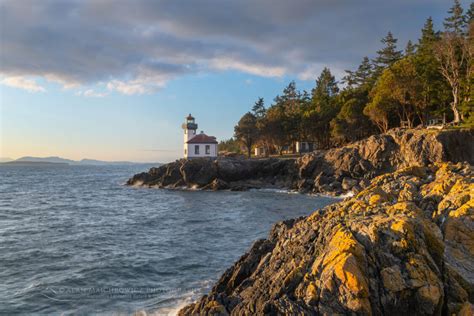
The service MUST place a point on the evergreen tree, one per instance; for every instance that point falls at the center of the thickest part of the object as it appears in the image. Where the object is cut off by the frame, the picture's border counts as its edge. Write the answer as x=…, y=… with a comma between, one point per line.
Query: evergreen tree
x=349, y=79
x=428, y=35
x=259, y=108
x=434, y=87
x=289, y=100
x=323, y=107
x=290, y=105
x=470, y=14
x=326, y=85
x=364, y=72
x=410, y=49
x=361, y=76
x=455, y=23
x=388, y=55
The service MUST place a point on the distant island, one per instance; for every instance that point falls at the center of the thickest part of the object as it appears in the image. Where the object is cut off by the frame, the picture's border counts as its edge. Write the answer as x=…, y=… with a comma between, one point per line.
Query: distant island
x=28, y=160
x=35, y=163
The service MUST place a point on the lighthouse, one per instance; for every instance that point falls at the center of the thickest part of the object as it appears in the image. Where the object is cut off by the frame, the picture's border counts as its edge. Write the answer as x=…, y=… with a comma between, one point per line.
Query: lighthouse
x=197, y=144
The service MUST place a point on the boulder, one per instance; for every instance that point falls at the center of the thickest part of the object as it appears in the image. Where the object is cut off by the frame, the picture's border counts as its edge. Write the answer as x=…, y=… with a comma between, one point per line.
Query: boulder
x=348, y=183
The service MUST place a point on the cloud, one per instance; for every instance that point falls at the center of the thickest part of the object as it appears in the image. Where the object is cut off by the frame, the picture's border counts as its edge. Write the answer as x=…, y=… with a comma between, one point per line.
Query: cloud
x=91, y=93
x=128, y=88
x=136, y=47
x=142, y=85
x=22, y=83
x=226, y=63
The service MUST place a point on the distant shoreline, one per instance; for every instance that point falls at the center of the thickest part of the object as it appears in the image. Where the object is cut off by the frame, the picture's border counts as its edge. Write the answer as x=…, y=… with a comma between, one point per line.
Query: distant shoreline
x=33, y=163
x=49, y=163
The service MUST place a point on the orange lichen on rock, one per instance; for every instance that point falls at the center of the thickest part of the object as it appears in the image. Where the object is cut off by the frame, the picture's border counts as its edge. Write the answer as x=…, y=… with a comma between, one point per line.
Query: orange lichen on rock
x=342, y=263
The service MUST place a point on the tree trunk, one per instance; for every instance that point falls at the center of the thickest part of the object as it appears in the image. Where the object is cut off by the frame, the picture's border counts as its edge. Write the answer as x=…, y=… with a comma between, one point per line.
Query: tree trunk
x=249, y=151
x=454, y=106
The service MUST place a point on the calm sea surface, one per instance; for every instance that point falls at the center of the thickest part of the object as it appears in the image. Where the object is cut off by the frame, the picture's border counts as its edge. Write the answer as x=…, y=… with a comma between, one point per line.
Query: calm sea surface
x=75, y=240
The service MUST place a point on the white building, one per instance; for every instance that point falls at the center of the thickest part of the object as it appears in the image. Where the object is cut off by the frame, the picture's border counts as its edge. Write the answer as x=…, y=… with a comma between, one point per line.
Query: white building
x=305, y=147
x=197, y=145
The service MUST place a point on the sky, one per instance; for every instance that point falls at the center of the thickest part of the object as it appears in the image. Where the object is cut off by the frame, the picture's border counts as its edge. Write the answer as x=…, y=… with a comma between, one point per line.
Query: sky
x=114, y=80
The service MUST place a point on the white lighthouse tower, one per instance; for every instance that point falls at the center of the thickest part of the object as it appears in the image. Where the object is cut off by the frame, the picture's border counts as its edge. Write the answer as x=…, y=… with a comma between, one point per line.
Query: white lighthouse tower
x=197, y=145
x=189, y=127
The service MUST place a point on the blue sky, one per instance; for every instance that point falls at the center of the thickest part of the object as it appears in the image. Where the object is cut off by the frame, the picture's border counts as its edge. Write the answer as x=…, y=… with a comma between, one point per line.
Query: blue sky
x=85, y=79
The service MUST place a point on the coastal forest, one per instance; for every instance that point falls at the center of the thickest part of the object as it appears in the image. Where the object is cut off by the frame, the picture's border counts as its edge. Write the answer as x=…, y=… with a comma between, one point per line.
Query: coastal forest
x=430, y=81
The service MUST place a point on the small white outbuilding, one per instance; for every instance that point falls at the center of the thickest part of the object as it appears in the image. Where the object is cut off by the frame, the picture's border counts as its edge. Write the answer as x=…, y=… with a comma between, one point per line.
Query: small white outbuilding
x=197, y=145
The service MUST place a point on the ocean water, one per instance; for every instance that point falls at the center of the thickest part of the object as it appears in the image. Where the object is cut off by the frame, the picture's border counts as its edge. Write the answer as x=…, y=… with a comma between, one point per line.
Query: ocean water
x=76, y=240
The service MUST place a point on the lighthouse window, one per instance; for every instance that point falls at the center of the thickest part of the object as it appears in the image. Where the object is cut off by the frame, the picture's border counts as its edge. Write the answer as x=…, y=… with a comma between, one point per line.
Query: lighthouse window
x=208, y=149
x=196, y=149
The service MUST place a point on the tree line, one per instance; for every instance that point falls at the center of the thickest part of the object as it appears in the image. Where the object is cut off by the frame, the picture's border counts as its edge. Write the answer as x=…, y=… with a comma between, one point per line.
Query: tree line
x=430, y=79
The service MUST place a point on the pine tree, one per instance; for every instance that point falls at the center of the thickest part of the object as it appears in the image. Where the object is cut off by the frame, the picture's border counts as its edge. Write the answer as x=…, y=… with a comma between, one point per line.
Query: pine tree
x=326, y=85
x=365, y=71
x=290, y=105
x=349, y=79
x=428, y=35
x=323, y=107
x=410, y=49
x=470, y=14
x=435, y=89
x=259, y=108
x=388, y=55
x=455, y=23
x=361, y=76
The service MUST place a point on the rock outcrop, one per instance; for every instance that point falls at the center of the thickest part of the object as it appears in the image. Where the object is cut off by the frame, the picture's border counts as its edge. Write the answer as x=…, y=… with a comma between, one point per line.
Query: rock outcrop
x=220, y=174
x=333, y=171
x=403, y=245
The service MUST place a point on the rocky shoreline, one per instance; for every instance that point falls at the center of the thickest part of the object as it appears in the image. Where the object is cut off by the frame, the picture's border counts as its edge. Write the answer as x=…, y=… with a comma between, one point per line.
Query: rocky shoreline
x=403, y=245
x=333, y=172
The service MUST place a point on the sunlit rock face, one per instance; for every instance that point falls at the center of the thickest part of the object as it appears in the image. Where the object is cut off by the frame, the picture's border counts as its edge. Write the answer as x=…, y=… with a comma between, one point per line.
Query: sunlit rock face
x=402, y=245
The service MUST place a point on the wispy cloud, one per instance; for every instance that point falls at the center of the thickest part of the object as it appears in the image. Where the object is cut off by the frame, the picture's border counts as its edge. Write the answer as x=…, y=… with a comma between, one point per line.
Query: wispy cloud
x=91, y=93
x=259, y=69
x=24, y=83
x=137, y=86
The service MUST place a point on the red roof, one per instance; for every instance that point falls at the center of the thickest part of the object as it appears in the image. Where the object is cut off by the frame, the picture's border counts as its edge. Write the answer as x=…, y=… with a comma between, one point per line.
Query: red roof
x=202, y=139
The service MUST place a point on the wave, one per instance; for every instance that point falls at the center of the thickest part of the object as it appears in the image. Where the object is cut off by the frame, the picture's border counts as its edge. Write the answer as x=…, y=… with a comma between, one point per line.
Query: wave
x=346, y=195
x=274, y=190
x=184, y=299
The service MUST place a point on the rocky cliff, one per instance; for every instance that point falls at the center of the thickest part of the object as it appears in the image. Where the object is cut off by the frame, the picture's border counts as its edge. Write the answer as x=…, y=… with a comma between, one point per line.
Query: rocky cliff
x=334, y=171
x=403, y=245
